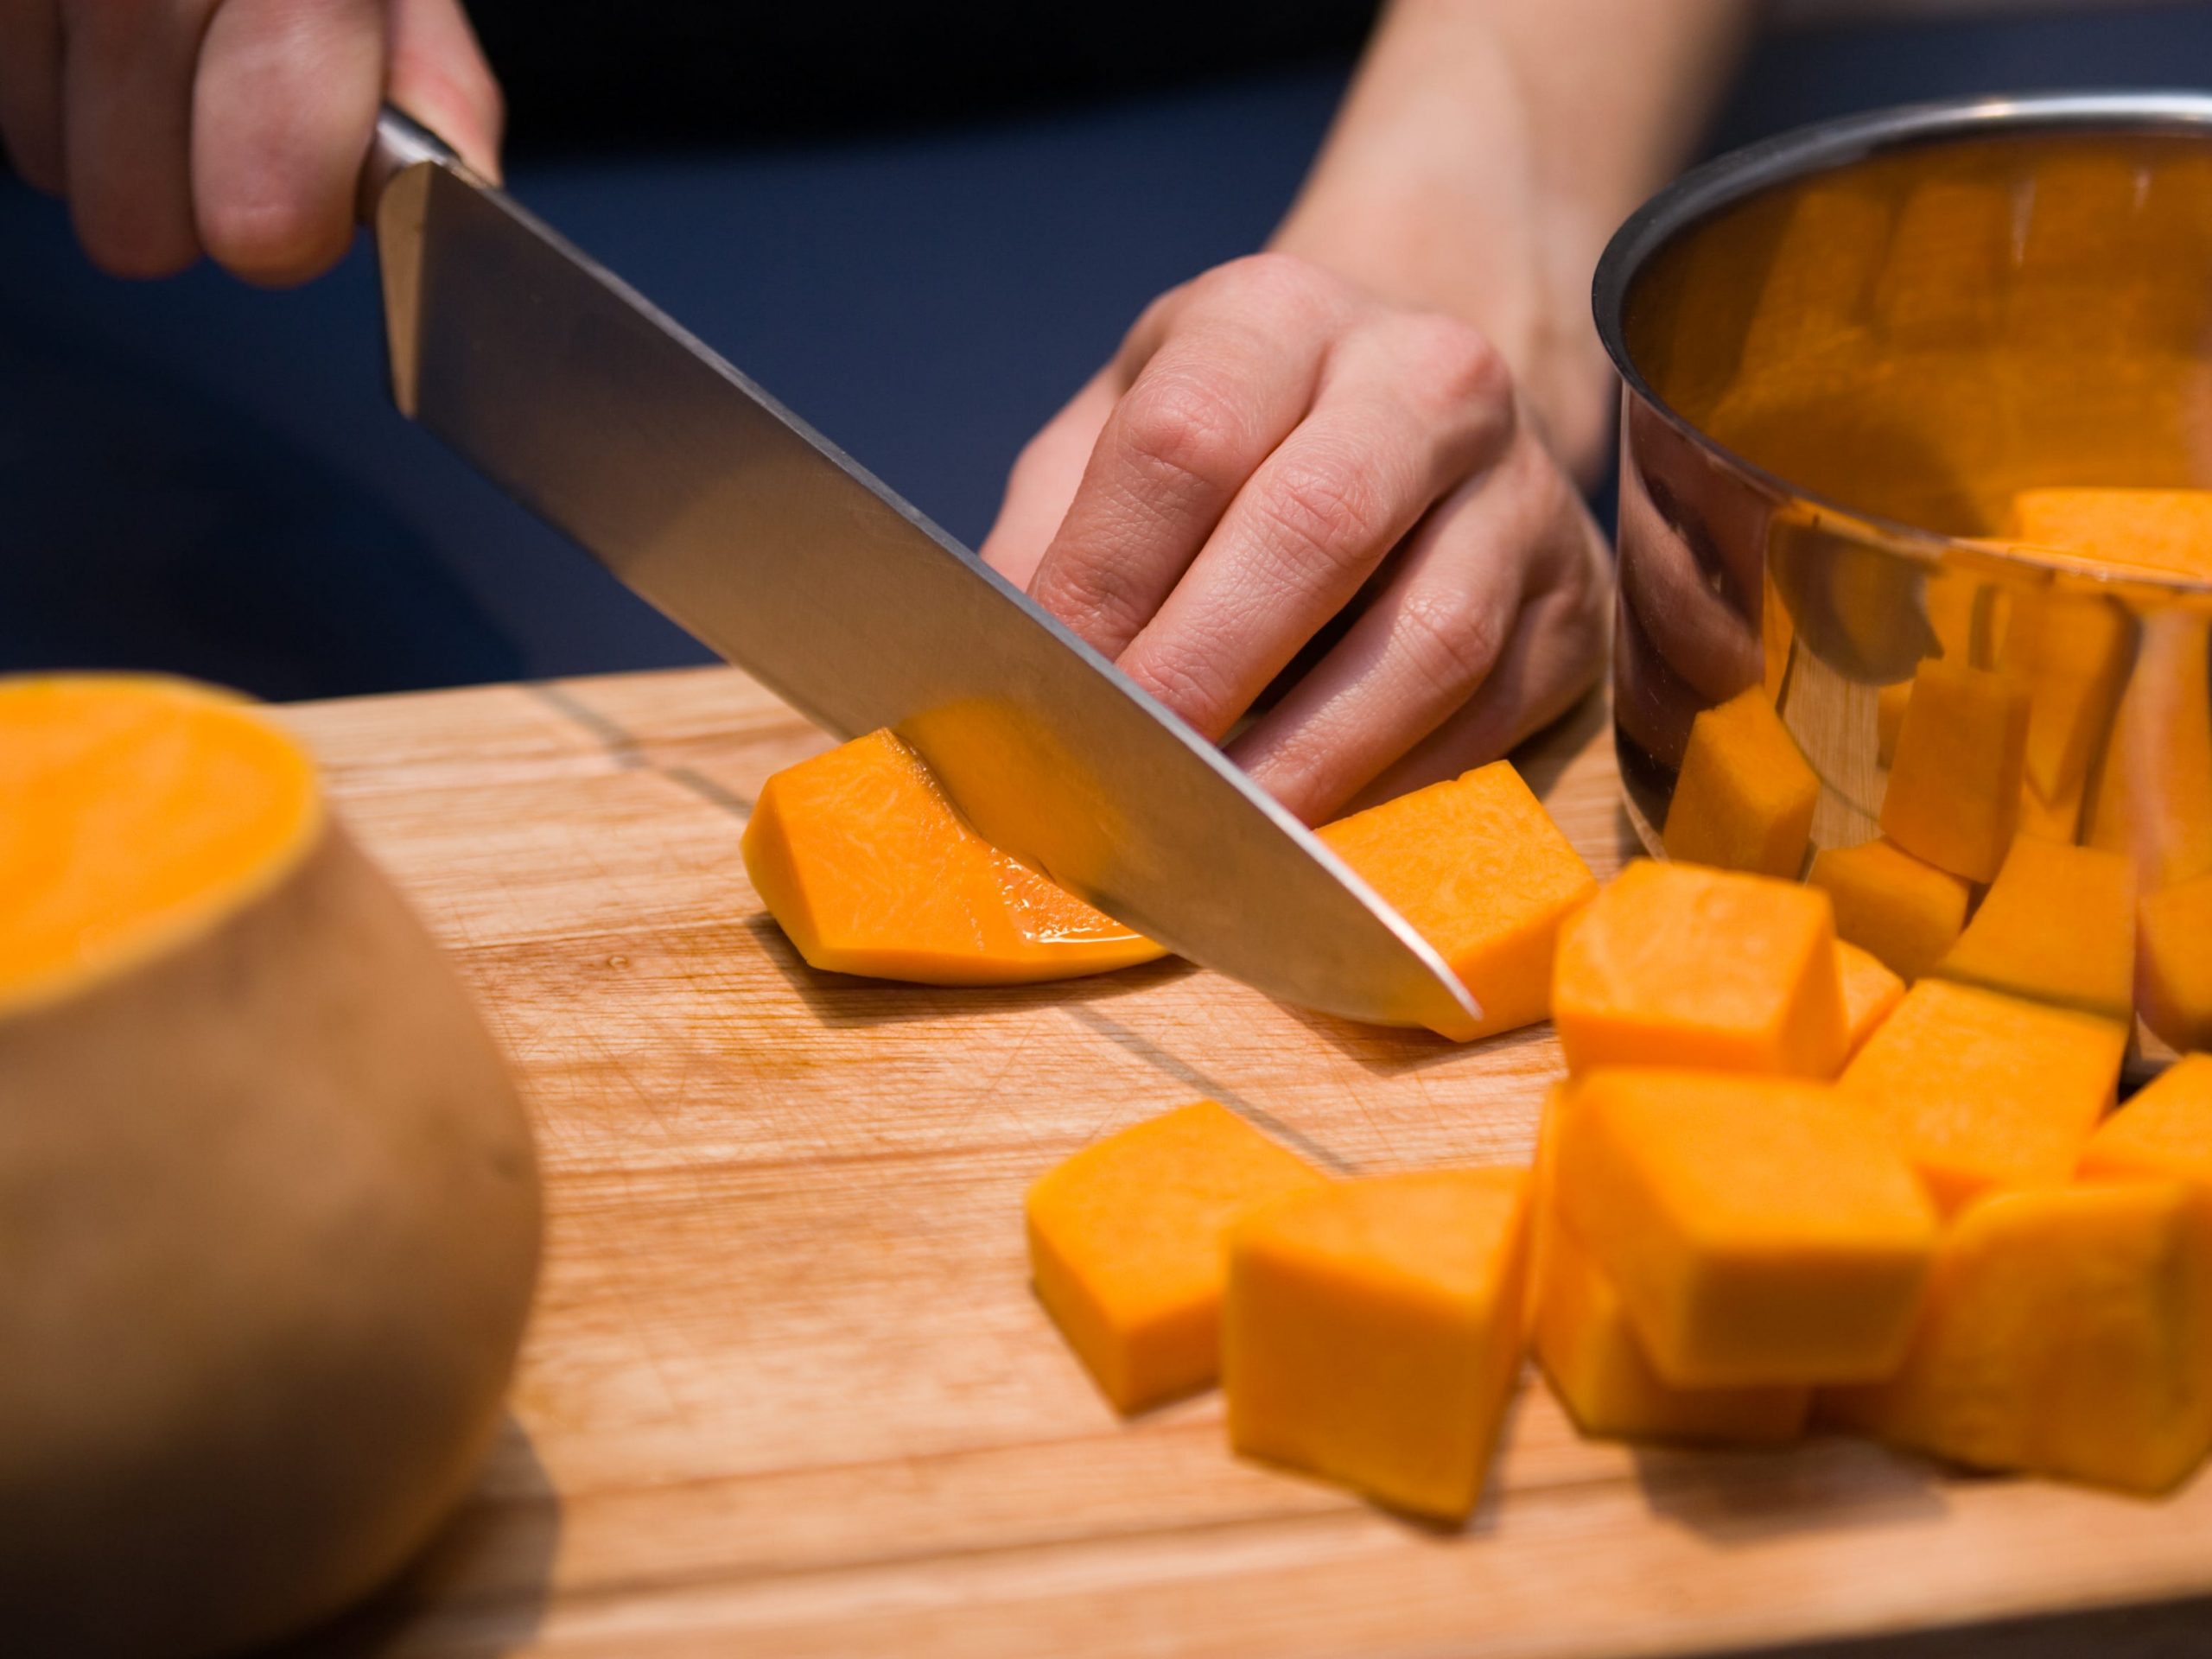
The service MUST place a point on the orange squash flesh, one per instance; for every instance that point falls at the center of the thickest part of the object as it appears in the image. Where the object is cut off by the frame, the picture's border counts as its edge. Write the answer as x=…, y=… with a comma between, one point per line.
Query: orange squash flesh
x=1954, y=794
x=2067, y=1332
x=1125, y=1244
x=1871, y=992
x=2173, y=972
x=869, y=870
x=2074, y=650
x=1478, y=867
x=2058, y=925
x=1590, y=1352
x=1374, y=1331
x=155, y=805
x=1744, y=798
x=2153, y=799
x=2164, y=1132
x=2165, y=532
x=1761, y=1231
x=1677, y=964
x=1904, y=910
x=1984, y=1092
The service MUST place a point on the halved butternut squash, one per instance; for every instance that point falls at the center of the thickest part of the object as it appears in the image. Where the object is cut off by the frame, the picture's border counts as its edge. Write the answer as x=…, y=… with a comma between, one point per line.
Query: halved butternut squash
x=271, y=1190
x=870, y=870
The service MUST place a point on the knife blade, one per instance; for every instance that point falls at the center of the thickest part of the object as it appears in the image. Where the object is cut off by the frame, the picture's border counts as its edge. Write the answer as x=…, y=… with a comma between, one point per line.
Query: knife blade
x=728, y=513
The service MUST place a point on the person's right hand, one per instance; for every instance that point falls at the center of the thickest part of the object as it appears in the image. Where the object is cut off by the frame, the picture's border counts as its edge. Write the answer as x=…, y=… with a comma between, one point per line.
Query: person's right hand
x=233, y=128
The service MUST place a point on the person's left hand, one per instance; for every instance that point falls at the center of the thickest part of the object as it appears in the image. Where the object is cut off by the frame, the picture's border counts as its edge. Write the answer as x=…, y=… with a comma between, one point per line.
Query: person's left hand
x=1271, y=446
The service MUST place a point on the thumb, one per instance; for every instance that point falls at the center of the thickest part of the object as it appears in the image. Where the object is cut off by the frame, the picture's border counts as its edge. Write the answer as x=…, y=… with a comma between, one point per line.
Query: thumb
x=438, y=76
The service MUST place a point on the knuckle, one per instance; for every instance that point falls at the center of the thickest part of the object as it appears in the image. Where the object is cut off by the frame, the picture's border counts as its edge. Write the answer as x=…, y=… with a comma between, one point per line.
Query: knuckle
x=1451, y=640
x=1325, y=511
x=1179, y=426
x=1190, y=685
x=1278, y=290
x=1459, y=365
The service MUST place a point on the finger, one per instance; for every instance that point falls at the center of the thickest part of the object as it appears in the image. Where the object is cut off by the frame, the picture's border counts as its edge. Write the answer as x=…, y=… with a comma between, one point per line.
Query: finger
x=1432, y=638
x=1234, y=373
x=438, y=76
x=30, y=91
x=126, y=130
x=283, y=112
x=1554, y=651
x=1404, y=410
x=1042, y=484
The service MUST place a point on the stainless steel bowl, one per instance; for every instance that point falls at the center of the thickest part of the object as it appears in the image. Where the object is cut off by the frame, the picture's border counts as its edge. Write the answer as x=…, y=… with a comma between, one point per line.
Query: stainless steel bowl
x=1845, y=351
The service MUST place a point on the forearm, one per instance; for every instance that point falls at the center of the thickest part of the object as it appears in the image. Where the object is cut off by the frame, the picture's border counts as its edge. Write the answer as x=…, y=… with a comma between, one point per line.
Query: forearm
x=1486, y=150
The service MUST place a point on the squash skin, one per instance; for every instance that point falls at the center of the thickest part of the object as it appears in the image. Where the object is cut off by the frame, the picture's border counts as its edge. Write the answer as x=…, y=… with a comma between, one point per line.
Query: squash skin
x=283, y=1203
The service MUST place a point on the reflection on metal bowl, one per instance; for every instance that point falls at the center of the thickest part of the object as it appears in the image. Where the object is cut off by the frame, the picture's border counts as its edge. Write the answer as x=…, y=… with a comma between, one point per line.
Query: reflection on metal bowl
x=1847, y=353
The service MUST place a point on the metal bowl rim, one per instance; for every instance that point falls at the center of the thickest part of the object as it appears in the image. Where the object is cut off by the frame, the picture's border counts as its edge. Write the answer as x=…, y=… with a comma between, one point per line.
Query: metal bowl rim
x=1827, y=146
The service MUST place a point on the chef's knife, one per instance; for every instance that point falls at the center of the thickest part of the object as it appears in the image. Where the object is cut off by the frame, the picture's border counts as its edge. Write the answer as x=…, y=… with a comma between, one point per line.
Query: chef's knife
x=745, y=526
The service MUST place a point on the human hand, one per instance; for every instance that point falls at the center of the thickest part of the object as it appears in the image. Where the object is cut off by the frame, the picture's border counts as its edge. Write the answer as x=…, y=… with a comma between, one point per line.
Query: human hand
x=235, y=128
x=1274, y=449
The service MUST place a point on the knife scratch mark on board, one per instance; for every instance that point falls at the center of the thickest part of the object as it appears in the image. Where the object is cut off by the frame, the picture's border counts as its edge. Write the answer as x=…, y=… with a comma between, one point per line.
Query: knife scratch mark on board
x=1160, y=1060
x=621, y=747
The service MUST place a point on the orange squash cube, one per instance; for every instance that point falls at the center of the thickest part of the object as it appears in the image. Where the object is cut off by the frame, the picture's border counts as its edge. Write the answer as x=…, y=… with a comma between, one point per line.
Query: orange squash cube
x=1478, y=867
x=2168, y=531
x=866, y=867
x=1374, y=1331
x=1677, y=964
x=2058, y=925
x=1890, y=704
x=1591, y=1357
x=2153, y=795
x=2067, y=1332
x=2074, y=649
x=1954, y=794
x=2173, y=971
x=2165, y=1132
x=1984, y=1092
x=1906, y=911
x=1761, y=1231
x=1745, y=797
x=1871, y=992
x=1126, y=1245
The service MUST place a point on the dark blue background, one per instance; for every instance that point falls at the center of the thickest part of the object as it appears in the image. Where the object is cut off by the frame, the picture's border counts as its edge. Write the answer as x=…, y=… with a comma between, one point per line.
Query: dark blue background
x=199, y=477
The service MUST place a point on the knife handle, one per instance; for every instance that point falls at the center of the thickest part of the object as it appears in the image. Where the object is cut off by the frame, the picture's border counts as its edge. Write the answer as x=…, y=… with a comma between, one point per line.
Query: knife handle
x=401, y=141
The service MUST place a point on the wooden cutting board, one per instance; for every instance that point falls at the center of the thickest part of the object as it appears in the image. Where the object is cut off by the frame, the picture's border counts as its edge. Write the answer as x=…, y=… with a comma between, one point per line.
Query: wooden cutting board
x=787, y=1392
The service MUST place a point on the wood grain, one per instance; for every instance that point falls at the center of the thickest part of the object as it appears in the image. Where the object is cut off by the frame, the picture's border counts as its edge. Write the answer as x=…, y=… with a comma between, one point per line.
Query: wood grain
x=786, y=1390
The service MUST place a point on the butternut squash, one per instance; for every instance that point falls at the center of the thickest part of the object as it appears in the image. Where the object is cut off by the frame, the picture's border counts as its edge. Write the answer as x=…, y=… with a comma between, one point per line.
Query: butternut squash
x=1984, y=1092
x=1761, y=1231
x=1589, y=1351
x=1871, y=992
x=1677, y=964
x=869, y=870
x=1374, y=1331
x=1745, y=797
x=2068, y=1332
x=1954, y=793
x=2167, y=532
x=2164, y=1133
x=2152, y=800
x=2074, y=648
x=269, y=1195
x=1890, y=704
x=1906, y=911
x=1478, y=867
x=2173, y=970
x=2058, y=925
x=1125, y=1245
